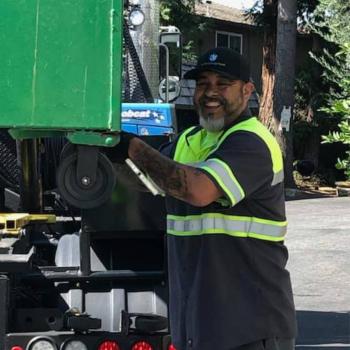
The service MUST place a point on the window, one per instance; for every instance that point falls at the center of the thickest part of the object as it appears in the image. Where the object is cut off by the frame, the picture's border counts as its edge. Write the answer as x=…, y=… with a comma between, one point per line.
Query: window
x=232, y=40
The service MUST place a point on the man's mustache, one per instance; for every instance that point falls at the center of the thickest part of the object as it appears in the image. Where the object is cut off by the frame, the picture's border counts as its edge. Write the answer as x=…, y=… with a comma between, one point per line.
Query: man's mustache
x=203, y=100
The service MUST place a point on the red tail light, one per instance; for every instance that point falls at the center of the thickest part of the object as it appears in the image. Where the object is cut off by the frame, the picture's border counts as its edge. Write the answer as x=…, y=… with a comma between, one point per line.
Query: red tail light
x=171, y=347
x=109, y=345
x=17, y=348
x=142, y=345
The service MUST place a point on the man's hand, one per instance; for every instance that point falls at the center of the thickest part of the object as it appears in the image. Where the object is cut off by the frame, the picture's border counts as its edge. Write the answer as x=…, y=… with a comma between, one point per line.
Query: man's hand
x=120, y=152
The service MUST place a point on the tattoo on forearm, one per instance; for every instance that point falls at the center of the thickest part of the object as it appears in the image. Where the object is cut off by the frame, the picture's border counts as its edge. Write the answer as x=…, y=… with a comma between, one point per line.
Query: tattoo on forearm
x=169, y=175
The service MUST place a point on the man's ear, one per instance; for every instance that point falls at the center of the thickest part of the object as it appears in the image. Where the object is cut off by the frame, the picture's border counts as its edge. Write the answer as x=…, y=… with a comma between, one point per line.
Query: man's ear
x=248, y=89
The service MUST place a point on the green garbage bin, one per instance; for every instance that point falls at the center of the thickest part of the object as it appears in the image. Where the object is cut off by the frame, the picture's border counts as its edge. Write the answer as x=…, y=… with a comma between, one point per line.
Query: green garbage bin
x=60, y=66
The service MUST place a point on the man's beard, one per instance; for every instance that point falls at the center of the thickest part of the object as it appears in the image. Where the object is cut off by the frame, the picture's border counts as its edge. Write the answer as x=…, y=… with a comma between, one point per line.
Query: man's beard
x=212, y=125
x=208, y=122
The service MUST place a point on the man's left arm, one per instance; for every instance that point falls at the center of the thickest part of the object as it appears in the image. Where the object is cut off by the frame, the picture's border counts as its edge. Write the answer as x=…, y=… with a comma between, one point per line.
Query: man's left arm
x=181, y=181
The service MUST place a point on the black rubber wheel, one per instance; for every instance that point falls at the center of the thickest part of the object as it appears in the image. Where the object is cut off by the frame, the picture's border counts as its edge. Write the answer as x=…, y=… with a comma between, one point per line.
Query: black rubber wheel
x=68, y=149
x=78, y=195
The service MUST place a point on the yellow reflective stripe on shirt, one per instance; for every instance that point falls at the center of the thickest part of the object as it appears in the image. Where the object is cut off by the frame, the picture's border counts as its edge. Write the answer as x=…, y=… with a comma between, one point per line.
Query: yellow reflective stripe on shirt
x=222, y=173
x=257, y=128
x=277, y=178
x=236, y=226
x=184, y=153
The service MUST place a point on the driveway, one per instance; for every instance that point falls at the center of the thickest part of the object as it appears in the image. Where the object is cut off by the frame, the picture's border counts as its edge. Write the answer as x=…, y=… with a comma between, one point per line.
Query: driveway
x=319, y=246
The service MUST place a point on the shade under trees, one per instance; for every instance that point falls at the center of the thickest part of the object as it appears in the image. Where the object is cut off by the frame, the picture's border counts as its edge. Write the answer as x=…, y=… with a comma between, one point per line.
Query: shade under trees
x=332, y=22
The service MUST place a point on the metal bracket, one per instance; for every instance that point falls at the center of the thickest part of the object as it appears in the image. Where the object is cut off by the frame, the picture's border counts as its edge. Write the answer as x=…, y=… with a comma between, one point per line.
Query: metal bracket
x=13, y=223
x=87, y=165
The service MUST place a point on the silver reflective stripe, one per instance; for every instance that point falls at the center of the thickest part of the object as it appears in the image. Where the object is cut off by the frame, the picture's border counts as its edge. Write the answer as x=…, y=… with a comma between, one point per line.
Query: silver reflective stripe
x=211, y=224
x=277, y=178
x=227, y=178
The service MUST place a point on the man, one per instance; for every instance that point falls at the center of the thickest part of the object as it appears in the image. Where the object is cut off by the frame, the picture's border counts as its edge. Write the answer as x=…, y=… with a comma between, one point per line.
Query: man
x=226, y=218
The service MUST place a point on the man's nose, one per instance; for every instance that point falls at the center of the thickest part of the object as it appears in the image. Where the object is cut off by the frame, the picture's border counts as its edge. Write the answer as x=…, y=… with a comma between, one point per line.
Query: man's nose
x=211, y=90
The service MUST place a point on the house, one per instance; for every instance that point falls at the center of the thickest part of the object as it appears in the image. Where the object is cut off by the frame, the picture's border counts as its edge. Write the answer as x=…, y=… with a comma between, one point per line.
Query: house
x=230, y=27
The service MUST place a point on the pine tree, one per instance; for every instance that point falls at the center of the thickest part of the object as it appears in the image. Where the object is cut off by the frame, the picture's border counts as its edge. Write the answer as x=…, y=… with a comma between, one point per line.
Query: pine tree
x=332, y=22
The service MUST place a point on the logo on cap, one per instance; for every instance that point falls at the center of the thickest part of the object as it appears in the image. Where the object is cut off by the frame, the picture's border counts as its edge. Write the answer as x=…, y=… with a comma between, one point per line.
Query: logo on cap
x=213, y=57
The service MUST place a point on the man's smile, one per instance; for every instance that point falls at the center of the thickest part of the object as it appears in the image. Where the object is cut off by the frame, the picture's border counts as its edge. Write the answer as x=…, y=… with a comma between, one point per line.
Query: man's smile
x=211, y=104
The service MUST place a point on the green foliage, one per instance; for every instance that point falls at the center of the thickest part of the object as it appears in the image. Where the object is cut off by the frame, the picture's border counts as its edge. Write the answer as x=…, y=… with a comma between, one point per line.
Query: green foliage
x=176, y=10
x=305, y=11
x=264, y=13
x=332, y=23
x=165, y=13
x=310, y=121
x=341, y=107
x=181, y=13
x=188, y=54
x=331, y=20
x=309, y=94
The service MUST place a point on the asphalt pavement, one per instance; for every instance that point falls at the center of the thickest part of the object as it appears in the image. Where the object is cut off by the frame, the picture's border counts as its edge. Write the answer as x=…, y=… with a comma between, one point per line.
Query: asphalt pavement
x=319, y=262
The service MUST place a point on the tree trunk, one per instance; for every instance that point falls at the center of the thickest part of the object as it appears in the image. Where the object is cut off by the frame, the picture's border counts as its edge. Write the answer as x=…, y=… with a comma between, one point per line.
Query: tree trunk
x=284, y=85
x=269, y=60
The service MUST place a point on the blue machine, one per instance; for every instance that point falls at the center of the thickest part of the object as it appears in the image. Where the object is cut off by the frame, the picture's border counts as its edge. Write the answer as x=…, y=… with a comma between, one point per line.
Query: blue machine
x=149, y=118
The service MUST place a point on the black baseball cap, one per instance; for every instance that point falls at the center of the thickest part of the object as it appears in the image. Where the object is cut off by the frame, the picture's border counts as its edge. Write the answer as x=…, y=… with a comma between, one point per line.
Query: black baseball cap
x=224, y=61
